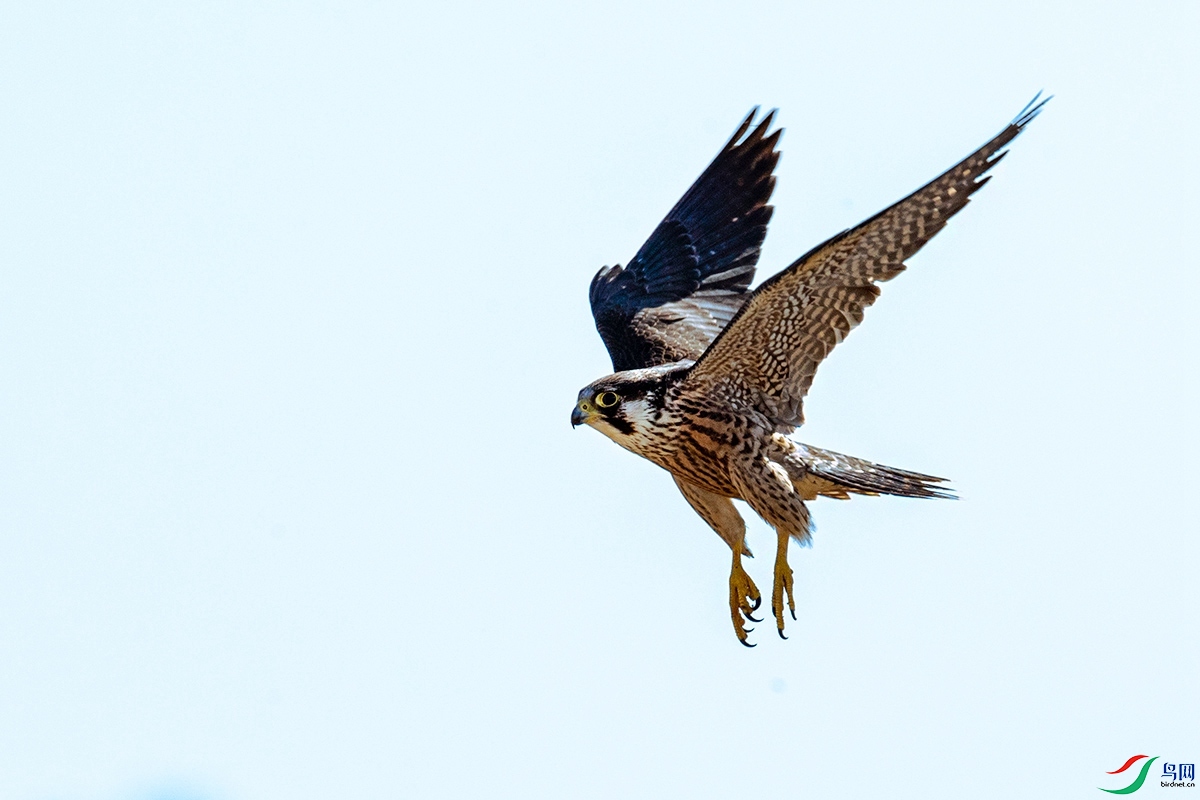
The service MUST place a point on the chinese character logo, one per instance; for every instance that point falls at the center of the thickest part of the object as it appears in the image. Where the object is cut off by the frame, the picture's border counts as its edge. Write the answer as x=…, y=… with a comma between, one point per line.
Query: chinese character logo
x=1179, y=775
x=1138, y=781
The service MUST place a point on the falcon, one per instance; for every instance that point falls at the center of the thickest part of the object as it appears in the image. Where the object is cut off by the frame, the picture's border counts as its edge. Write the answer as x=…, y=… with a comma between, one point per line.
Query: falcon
x=710, y=378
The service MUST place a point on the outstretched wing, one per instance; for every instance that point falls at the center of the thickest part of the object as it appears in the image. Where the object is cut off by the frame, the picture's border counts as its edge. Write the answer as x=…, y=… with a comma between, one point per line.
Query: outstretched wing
x=770, y=351
x=691, y=276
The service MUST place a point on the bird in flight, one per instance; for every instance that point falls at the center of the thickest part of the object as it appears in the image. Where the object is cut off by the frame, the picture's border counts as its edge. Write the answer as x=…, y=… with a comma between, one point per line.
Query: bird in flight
x=710, y=378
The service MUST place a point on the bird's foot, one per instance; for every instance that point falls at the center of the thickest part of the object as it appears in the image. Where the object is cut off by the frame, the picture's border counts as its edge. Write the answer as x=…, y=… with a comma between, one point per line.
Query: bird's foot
x=783, y=585
x=744, y=599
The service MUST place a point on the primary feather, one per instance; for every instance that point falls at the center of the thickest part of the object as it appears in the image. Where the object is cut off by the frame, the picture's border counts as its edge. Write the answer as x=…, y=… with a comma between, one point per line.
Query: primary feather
x=691, y=276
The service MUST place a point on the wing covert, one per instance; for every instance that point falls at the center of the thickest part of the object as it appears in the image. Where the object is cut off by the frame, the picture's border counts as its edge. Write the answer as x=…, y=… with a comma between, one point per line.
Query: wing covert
x=770, y=351
x=691, y=276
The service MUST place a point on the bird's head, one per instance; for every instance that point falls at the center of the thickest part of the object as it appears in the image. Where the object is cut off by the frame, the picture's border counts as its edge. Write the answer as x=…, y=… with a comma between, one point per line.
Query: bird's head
x=627, y=406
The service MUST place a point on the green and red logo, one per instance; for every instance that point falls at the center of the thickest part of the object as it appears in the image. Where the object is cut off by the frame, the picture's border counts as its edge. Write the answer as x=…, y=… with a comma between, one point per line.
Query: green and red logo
x=1138, y=781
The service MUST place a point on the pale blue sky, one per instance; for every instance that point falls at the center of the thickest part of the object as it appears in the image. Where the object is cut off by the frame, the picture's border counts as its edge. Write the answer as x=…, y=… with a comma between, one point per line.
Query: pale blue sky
x=293, y=314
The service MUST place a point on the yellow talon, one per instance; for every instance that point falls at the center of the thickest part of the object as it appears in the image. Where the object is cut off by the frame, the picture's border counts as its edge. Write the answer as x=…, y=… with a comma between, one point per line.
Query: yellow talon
x=783, y=585
x=744, y=599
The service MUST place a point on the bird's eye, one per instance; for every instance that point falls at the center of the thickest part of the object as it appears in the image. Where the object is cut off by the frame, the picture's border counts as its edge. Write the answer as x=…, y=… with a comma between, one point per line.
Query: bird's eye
x=607, y=399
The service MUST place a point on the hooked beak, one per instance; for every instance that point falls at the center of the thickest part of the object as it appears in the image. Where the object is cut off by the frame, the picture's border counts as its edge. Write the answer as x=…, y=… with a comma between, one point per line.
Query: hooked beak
x=578, y=417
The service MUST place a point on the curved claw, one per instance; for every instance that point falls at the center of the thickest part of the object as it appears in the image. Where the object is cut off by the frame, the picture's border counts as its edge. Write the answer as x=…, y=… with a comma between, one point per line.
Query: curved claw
x=746, y=644
x=793, y=614
x=780, y=632
x=744, y=599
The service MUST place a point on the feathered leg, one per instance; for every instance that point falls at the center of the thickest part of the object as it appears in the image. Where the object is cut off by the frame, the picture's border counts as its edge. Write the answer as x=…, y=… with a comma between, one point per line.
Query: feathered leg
x=766, y=487
x=723, y=518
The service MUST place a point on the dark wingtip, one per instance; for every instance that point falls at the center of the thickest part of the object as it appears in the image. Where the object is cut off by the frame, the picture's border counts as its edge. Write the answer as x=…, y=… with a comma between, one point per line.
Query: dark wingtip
x=1014, y=129
x=760, y=131
x=741, y=129
x=1031, y=110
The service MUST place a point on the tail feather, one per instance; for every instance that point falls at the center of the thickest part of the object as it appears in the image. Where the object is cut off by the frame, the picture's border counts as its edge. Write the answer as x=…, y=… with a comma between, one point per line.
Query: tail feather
x=823, y=472
x=879, y=479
